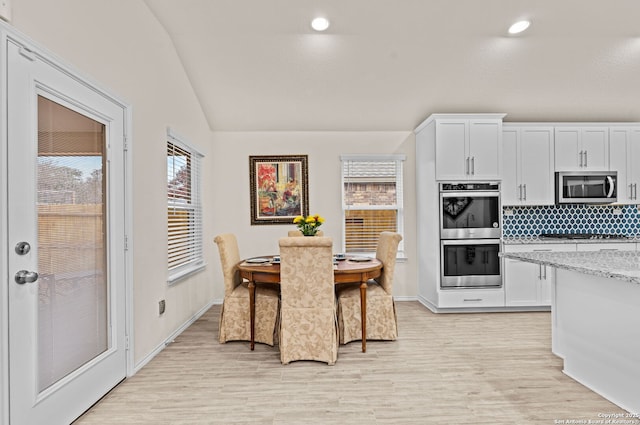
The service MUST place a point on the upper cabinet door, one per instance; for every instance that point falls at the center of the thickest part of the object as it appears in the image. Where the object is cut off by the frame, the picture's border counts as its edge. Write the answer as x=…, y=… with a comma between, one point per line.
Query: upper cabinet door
x=633, y=162
x=485, y=149
x=595, y=142
x=581, y=148
x=624, y=158
x=468, y=149
x=451, y=158
x=527, y=166
x=511, y=189
x=536, y=166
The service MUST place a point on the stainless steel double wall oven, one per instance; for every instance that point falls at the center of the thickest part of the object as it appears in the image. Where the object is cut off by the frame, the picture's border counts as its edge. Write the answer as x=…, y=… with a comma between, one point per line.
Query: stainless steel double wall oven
x=470, y=235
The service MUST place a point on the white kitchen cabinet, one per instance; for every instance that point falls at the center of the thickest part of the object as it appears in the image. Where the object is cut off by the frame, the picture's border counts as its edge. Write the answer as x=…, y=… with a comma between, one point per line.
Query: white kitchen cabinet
x=471, y=298
x=528, y=165
x=624, y=157
x=609, y=246
x=581, y=148
x=468, y=148
x=527, y=284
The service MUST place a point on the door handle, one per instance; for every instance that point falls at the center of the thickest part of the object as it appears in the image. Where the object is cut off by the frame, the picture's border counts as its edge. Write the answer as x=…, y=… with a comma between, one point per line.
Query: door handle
x=25, y=276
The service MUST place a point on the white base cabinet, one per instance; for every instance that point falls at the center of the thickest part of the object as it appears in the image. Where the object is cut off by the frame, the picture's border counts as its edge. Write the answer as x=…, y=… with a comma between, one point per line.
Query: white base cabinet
x=528, y=284
x=471, y=298
x=613, y=246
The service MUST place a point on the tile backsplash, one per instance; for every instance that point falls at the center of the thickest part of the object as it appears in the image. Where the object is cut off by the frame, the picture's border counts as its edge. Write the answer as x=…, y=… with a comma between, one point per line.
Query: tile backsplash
x=578, y=218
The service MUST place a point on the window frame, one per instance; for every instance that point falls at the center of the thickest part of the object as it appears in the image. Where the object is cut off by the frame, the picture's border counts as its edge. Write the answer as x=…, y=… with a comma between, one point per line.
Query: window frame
x=196, y=260
x=398, y=159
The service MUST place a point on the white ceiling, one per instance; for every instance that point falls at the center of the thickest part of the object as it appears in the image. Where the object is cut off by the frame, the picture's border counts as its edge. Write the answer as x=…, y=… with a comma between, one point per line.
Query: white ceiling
x=256, y=65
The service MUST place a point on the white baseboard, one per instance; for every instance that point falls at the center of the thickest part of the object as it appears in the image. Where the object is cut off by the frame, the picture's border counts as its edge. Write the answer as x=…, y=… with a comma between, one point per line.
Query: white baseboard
x=146, y=359
x=405, y=298
x=425, y=302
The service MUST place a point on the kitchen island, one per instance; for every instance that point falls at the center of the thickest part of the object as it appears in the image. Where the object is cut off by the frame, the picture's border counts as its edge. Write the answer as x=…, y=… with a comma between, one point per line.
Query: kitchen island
x=596, y=319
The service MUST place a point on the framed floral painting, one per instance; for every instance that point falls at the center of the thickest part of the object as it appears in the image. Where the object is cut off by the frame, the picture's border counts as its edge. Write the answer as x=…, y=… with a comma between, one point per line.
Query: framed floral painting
x=279, y=188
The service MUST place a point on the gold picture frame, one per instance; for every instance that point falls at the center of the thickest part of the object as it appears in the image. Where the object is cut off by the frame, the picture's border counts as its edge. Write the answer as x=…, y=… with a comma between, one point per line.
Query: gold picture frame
x=279, y=188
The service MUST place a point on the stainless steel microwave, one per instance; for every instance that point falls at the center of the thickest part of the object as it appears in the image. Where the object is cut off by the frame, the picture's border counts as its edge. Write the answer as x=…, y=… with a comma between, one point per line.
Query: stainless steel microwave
x=590, y=187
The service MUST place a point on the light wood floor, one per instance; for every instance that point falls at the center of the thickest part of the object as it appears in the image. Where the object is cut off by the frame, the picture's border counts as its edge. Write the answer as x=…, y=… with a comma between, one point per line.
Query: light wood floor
x=444, y=369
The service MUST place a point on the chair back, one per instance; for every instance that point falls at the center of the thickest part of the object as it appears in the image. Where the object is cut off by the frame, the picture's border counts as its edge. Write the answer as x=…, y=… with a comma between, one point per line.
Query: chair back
x=308, y=327
x=229, y=258
x=386, y=252
x=294, y=233
x=306, y=272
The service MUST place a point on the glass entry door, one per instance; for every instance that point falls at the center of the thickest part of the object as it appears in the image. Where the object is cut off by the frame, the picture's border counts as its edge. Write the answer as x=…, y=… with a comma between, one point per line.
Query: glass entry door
x=66, y=274
x=72, y=289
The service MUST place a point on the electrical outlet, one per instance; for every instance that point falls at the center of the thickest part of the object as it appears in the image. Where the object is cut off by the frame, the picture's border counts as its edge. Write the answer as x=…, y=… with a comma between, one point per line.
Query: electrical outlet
x=508, y=211
x=161, y=306
x=5, y=10
x=617, y=211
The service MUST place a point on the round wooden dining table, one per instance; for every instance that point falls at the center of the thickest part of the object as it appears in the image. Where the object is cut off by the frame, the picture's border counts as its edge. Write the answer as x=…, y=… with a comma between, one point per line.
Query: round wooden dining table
x=350, y=270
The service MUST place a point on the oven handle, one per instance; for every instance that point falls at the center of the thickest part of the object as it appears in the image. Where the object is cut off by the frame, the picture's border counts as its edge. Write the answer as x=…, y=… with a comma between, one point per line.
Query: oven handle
x=446, y=242
x=469, y=194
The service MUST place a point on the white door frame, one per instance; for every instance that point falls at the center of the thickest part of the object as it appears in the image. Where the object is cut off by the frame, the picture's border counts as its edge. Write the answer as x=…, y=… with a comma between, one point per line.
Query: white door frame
x=9, y=33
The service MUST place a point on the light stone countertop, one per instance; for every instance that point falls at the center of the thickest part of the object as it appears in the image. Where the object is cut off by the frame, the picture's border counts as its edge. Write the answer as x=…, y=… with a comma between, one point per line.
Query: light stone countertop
x=523, y=240
x=623, y=265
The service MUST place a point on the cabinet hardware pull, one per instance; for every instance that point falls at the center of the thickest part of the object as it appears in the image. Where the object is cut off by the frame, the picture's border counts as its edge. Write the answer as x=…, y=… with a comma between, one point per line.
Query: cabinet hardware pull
x=525, y=191
x=581, y=158
x=545, y=272
x=585, y=159
x=539, y=271
x=472, y=299
x=630, y=190
x=466, y=167
x=473, y=165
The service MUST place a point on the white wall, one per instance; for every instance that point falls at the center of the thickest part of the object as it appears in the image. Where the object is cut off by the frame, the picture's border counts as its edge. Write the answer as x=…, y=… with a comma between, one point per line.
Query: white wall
x=231, y=151
x=120, y=45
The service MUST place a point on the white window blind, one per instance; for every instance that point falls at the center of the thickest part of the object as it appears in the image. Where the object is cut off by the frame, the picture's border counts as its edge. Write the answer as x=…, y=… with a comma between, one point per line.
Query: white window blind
x=372, y=200
x=184, y=217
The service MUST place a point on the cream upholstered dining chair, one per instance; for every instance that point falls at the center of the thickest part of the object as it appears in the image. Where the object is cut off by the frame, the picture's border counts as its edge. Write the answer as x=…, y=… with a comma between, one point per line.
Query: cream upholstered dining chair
x=382, y=322
x=293, y=233
x=235, y=319
x=308, y=327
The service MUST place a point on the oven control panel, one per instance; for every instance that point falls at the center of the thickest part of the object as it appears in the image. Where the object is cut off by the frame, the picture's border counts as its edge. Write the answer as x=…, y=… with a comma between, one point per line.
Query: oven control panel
x=457, y=187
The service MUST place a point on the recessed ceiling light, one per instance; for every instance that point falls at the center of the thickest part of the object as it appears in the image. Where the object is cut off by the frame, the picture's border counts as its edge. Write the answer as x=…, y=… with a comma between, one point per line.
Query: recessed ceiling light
x=518, y=27
x=320, y=24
